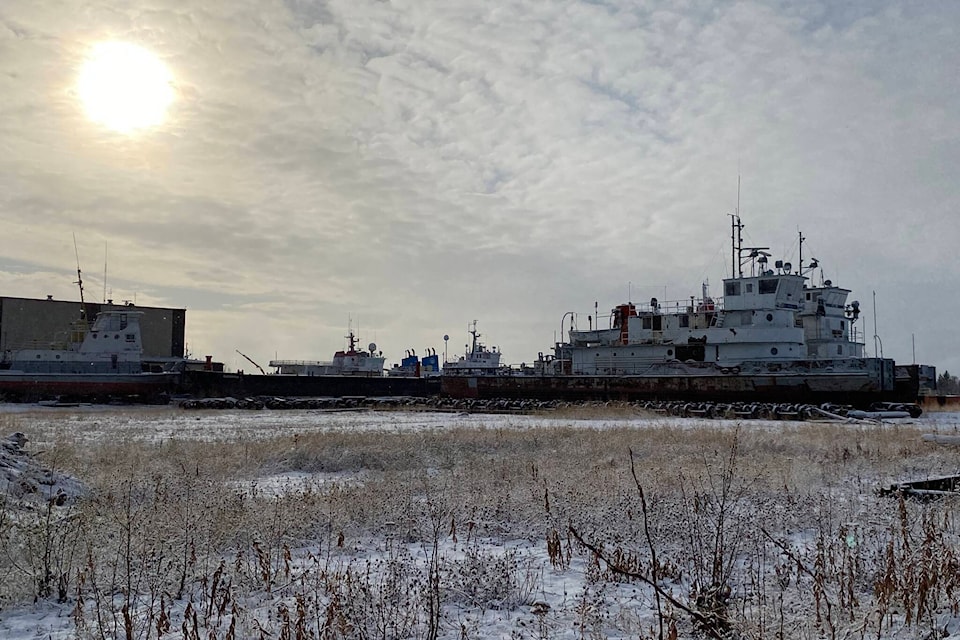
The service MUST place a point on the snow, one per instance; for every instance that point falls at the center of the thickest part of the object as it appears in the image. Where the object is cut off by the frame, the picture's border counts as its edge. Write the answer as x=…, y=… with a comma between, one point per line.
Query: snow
x=494, y=586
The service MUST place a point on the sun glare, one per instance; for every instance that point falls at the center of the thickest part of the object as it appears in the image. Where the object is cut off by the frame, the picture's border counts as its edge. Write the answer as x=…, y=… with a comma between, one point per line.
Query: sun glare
x=125, y=87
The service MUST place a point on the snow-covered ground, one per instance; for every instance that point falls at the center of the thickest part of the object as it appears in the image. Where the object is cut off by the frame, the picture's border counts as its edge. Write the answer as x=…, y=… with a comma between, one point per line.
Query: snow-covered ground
x=366, y=524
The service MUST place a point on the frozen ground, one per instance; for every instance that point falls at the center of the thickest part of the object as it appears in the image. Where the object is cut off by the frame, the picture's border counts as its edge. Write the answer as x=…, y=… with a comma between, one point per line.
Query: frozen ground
x=475, y=541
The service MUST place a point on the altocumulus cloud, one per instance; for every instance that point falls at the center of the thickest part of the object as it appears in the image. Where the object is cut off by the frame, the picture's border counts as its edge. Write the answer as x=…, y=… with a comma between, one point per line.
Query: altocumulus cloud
x=416, y=165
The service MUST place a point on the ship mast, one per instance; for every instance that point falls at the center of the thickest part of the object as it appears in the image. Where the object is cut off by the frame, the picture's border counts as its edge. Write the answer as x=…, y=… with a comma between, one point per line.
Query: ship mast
x=79, y=282
x=473, y=334
x=736, y=245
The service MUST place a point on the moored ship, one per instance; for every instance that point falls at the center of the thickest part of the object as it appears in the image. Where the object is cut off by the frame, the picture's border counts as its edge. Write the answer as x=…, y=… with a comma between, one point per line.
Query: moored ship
x=477, y=358
x=352, y=362
x=98, y=361
x=771, y=337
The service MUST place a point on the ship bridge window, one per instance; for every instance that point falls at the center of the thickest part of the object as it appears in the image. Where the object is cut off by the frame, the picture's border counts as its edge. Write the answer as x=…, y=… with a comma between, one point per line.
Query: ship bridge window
x=684, y=321
x=647, y=322
x=658, y=323
x=768, y=285
x=731, y=289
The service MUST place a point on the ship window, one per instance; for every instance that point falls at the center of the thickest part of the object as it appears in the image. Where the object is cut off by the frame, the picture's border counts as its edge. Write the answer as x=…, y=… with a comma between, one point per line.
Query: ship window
x=669, y=352
x=684, y=321
x=116, y=336
x=731, y=289
x=658, y=323
x=647, y=322
x=748, y=288
x=773, y=351
x=58, y=356
x=843, y=325
x=808, y=295
x=769, y=317
x=131, y=337
x=769, y=285
x=839, y=349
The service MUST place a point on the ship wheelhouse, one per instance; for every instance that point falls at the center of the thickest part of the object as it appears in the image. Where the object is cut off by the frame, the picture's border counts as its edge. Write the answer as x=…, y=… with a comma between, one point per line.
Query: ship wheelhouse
x=829, y=323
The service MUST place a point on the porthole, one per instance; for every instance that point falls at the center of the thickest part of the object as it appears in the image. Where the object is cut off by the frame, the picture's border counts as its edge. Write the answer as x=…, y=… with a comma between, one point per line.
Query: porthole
x=769, y=317
x=116, y=336
x=773, y=350
x=669, y=352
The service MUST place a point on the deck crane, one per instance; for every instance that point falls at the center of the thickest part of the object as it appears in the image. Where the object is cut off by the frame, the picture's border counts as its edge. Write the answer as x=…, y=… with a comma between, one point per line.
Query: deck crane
x=250, y=360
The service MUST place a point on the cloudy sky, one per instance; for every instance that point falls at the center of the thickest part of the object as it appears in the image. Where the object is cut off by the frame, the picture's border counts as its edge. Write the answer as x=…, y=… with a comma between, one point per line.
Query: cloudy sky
x=409, y=166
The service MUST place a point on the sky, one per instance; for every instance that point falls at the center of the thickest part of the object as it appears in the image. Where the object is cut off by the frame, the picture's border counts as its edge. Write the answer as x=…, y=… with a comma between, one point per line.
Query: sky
x=403, y=168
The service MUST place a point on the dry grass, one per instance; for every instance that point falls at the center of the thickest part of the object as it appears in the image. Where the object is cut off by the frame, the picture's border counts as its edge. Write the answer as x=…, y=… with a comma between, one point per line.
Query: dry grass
x=168, y=522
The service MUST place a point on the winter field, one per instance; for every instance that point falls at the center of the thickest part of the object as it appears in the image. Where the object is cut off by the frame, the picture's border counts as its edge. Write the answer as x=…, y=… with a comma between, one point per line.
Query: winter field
x=589, y=523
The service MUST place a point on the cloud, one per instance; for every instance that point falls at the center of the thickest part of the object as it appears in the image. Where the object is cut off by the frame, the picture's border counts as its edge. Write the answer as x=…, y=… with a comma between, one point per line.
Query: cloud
x=422, y=164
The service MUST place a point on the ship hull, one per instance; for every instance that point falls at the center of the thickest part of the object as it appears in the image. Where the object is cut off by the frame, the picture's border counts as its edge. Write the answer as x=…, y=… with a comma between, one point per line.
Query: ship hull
x=211, y=384
x=792, y=384
x=143, y=387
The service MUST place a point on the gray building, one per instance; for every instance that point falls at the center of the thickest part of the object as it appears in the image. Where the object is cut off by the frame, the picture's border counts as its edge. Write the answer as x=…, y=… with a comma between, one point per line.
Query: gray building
x=37, y=322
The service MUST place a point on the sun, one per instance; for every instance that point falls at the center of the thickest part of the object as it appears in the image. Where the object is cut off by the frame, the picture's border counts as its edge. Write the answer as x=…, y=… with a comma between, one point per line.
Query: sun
x=124, y=87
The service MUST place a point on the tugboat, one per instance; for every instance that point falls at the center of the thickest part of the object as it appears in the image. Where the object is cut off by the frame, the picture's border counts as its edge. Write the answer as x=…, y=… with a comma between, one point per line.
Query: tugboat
x=97, y=362
x=477, y=358
x=352, y=362
x=771, y=338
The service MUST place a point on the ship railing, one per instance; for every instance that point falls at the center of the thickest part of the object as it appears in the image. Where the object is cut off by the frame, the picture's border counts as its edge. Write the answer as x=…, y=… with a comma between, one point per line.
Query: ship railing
x=57, y=343
x=296, y=363
x=667, y=307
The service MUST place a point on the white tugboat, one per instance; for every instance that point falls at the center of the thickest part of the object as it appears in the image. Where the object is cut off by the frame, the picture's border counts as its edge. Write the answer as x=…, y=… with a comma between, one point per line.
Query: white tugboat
x=352, y=362
x=477, y=358
x=99, y=361
x=771, y=337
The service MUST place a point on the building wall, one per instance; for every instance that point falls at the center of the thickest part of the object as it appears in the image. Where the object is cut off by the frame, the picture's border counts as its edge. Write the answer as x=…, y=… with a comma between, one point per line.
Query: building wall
x=28, y=321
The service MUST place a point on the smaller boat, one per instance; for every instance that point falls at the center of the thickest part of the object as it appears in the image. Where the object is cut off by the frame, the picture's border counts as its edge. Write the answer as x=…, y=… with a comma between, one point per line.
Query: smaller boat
x=477, y=359
x=352, y=362
x=98, y=361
